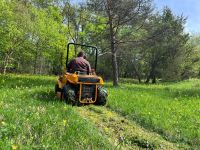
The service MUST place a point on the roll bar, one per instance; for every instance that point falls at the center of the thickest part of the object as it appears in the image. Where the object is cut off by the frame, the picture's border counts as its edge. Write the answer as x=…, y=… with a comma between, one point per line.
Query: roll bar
x=82, y=45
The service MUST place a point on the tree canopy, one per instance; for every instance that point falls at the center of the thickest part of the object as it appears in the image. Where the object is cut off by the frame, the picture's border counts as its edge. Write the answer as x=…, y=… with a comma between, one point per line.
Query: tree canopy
x=134, y=40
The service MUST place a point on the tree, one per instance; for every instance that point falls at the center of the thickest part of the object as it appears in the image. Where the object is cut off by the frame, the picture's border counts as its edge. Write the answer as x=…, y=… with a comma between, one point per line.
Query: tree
x=33, y=39
x=119, y=13
x=49, y=39
x=191, y=67
x=166, y=46
x=11, y=32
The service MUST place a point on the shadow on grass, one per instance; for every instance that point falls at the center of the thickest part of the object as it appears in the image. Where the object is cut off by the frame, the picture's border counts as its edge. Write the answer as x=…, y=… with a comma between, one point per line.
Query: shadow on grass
x=24, y=81
x=46, y=96
x=164, y=92
x=187, y=93
x=129, y=80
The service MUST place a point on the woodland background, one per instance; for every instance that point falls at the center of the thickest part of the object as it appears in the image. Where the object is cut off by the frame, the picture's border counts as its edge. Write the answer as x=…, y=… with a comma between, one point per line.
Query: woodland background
x=134, y=39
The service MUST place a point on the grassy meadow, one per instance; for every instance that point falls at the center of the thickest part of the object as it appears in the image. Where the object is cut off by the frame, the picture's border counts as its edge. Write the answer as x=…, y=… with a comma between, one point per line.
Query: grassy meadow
x=170, y=109
x=32, y=118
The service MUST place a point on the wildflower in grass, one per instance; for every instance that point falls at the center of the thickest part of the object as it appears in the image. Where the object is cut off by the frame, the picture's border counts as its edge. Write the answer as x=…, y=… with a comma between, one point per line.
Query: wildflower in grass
x=64, y=122
x=14, y=147
x=3, y=123
x=106, y=129
x=109, y=114
x=65, y=107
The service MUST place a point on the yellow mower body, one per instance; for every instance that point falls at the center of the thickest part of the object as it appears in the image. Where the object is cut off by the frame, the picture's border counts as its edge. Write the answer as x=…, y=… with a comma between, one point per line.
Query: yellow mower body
x=80, y=80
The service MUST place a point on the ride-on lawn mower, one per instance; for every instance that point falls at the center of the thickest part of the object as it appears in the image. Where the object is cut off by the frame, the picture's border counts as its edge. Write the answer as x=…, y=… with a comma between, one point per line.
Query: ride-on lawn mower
x=80, y=89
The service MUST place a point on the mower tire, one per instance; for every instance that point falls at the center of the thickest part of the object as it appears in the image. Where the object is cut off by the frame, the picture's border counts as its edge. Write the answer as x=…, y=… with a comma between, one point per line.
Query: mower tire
x=69, y=95
x=102, y=96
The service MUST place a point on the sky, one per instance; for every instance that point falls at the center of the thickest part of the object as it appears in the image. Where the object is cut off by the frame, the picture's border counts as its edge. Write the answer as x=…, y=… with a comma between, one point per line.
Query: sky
x=187, y=8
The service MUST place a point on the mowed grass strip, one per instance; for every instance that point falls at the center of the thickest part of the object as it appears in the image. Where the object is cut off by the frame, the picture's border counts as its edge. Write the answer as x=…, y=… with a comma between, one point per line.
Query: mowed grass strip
x=31, y=118
x=123, y=133
x=170, y=109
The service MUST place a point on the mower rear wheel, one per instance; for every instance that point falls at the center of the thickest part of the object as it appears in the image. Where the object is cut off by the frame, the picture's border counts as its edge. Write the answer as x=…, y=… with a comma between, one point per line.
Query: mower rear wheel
x=102, y=96
x=69, y=95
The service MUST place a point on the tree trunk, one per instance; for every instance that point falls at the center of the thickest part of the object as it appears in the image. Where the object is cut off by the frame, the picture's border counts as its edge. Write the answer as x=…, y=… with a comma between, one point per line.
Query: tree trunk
x=114, y=60
x=138, y=76
x=5, y=66
x=154, y=79
x=137, y=73
x=139, y=79
x=6, y=61
x=148, y=79
x=152, y=74
x=35, y=63
x=114, y=66
x=113, y=48
x=41, y=68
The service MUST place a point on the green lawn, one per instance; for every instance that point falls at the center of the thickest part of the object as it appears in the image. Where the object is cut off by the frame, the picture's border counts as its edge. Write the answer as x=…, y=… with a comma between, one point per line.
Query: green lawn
x=31, y=117
x=170, y=109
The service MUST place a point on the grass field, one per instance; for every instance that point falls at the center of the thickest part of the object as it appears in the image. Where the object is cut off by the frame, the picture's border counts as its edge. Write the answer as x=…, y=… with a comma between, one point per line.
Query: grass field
x=31, y=118
x=170, y=109
x=162, y=116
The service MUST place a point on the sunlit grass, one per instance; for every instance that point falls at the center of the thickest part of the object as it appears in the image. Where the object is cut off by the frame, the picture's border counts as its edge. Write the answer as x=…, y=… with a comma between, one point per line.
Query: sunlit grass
x=31, y=118
x=171, y=109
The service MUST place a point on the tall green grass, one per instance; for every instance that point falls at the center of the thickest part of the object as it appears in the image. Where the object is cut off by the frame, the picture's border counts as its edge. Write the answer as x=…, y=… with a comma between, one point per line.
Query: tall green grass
x=31, y=118
x=171, y=109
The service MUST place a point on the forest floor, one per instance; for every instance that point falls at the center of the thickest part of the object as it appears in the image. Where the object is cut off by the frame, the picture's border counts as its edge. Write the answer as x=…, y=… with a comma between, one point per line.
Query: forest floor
x=137, y=116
